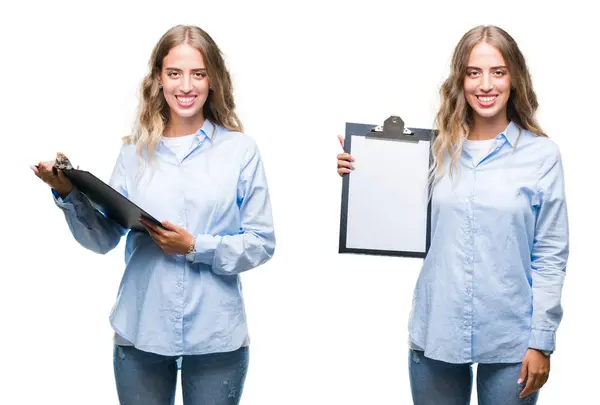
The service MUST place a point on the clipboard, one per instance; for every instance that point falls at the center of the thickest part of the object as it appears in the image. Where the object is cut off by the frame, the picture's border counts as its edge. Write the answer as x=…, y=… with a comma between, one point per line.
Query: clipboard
x=112, y=203
x=385, y=206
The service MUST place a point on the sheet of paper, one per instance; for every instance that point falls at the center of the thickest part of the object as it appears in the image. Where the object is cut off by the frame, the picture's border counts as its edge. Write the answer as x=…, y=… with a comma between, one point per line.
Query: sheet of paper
x=387, y=199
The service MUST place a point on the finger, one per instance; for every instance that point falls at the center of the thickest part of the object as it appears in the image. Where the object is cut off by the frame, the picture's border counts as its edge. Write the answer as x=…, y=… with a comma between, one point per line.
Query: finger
x=157, y=238
x=523, y=373
x=35, y=170
x=45, y=171
x=533, y=383
x=345, y=156
x=529, y=387
x=341, y=171
x=46, y=166
x=343, y=163
x=341, y=139
x=170, y=226
x=145, y=221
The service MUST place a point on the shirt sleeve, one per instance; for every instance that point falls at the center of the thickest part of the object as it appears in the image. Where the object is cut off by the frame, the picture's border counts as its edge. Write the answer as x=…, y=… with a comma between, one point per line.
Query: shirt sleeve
x=88, y=225
x=549, y=255
x=255, y=242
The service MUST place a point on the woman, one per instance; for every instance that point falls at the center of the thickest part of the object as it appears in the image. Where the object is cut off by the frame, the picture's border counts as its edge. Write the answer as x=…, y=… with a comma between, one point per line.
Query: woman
x=190, y=166
x=490, y=287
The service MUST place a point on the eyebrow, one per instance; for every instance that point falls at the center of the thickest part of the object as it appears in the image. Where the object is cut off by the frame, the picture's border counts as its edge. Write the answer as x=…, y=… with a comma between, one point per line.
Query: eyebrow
x=492, y=68
x=179, y=70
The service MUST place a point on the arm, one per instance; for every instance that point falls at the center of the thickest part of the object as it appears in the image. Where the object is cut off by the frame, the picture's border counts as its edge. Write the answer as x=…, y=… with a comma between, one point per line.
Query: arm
x=549, y=256
x=255, y=244
x=90, y=227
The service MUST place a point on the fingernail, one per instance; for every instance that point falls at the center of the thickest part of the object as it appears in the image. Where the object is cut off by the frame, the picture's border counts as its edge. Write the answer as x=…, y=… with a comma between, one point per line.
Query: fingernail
x=520, y=381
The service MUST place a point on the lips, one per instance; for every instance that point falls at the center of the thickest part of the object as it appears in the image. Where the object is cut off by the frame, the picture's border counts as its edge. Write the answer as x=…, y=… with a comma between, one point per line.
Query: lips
x=185, y=101
x=486, y=101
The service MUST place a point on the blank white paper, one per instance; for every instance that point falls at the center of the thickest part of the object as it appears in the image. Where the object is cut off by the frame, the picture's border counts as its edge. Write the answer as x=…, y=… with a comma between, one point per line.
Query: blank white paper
x=387, y=198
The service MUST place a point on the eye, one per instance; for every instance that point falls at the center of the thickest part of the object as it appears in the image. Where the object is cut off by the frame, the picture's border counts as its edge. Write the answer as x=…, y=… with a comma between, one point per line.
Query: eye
x=499, y=73
x=172, y=74
x=200, y=75
x=472, y=73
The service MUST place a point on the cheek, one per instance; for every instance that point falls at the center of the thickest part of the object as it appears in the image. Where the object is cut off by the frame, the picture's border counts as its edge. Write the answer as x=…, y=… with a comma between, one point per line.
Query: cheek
x=469, y=89
x=504, y=85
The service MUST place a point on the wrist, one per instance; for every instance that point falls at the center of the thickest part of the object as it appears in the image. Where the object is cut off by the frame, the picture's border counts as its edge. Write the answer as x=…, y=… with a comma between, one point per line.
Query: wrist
x=546, y=353
x=63, y=193
x=191, y=251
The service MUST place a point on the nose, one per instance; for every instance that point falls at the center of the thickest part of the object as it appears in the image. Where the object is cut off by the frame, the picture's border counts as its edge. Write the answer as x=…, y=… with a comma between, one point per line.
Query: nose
x=186, y=84
x=486, y=82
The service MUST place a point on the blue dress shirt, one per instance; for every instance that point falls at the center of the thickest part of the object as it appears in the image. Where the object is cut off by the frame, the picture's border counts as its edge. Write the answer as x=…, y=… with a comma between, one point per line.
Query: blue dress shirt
x=490, y=286
x=218, y=192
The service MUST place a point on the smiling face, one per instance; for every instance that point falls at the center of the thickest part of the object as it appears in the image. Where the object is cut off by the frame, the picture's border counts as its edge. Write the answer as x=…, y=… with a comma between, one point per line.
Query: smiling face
x=185, y=84
x=487, y=83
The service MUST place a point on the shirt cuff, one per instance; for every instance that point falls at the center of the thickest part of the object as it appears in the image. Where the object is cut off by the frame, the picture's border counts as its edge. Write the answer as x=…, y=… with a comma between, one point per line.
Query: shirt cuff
x=544, y=340
x=67, y=202
x=206, y=247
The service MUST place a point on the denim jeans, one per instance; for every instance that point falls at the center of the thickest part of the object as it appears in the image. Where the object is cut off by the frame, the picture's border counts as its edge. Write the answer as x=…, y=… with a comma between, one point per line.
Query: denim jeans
x=435, y=382
x=144, y=378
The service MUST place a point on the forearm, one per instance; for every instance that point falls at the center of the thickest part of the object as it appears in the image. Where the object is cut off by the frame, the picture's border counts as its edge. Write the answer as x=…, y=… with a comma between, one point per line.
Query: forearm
x=233, y=254
x=547, y=309
x=90, y=228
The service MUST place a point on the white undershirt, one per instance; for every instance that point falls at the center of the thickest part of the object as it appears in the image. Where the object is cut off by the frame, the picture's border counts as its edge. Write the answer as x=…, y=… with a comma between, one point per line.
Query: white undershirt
x=478, y=149
x=179, y=145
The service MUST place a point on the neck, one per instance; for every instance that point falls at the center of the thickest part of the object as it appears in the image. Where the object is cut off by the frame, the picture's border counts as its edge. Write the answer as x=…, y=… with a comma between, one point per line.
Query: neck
x=487, y=128
x=179, y=126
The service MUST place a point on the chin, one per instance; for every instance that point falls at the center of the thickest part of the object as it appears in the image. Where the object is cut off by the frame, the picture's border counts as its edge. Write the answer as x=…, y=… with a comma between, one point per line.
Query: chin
x=187, y=114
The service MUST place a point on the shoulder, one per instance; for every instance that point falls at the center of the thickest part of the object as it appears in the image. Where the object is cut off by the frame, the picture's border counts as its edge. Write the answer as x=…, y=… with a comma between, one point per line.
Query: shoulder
x=235, y=140
x=128, y=151
x=543, y=148
x=544, y=155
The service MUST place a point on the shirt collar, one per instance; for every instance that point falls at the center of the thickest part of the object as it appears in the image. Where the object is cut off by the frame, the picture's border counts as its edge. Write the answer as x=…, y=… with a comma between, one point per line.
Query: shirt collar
x=206, y=131
x=511, y=133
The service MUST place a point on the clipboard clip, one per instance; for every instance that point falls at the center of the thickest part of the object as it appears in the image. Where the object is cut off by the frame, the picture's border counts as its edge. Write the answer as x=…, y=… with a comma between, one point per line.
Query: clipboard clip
x=393, y=129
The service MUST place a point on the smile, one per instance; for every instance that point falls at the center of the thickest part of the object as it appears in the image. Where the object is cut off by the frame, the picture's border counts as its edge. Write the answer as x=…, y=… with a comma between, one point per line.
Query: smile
x=486, y=101
x=185, y=101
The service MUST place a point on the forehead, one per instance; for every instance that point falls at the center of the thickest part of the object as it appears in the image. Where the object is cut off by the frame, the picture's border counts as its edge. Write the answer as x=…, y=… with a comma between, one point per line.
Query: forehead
x=184, y=56
x=485, y=55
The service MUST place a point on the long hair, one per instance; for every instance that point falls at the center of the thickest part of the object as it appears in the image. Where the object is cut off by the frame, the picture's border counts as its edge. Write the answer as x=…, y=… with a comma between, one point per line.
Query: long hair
x=455, y=116
x=154, y=112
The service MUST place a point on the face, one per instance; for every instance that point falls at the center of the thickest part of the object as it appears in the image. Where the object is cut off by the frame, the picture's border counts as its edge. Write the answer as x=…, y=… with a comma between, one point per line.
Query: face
x=185, y=81
x=487, y=84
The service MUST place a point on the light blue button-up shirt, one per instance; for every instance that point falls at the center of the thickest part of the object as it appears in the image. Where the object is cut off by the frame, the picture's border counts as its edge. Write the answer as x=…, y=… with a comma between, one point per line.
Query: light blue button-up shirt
x=218, y=192
x=490, y=286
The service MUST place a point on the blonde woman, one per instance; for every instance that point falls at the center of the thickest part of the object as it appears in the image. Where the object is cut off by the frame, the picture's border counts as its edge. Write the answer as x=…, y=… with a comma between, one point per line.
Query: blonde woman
x=489, y=291
x=189, y=165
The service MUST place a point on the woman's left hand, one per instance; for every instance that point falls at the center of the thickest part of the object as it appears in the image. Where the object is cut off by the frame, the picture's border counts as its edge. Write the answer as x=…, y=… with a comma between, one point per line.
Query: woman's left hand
x=535, y=369
x=172, y=240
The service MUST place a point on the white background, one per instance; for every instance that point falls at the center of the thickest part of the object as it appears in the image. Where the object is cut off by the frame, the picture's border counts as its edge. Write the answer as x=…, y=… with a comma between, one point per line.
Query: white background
x=326, y=328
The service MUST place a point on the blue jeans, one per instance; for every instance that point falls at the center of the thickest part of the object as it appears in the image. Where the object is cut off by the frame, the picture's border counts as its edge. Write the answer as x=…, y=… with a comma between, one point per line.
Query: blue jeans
x=434, y=382
x=144, y=378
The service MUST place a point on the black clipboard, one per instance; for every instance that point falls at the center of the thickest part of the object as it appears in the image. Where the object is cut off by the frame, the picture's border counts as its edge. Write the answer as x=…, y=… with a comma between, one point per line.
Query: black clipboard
x=393, y=129
x=112, y=203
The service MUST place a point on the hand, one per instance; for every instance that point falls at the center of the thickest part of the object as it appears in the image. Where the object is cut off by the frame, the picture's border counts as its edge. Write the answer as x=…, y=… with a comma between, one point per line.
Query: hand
x=536, y=368
x=53, y=177
x=343, y=160
x=172, y=240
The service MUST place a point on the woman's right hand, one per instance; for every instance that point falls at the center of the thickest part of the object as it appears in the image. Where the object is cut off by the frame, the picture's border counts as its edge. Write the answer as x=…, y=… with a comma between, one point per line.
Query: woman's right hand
x=343, y=160
x=55, y=178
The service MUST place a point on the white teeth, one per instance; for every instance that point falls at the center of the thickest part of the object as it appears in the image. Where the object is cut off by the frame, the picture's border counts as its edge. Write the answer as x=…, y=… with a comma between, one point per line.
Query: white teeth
x=186, y=100
x=487, y=99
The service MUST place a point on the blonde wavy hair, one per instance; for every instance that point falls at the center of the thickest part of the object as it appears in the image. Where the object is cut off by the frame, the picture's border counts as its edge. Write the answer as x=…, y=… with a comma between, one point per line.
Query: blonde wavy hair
x=154, y=112
x=455, y=116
